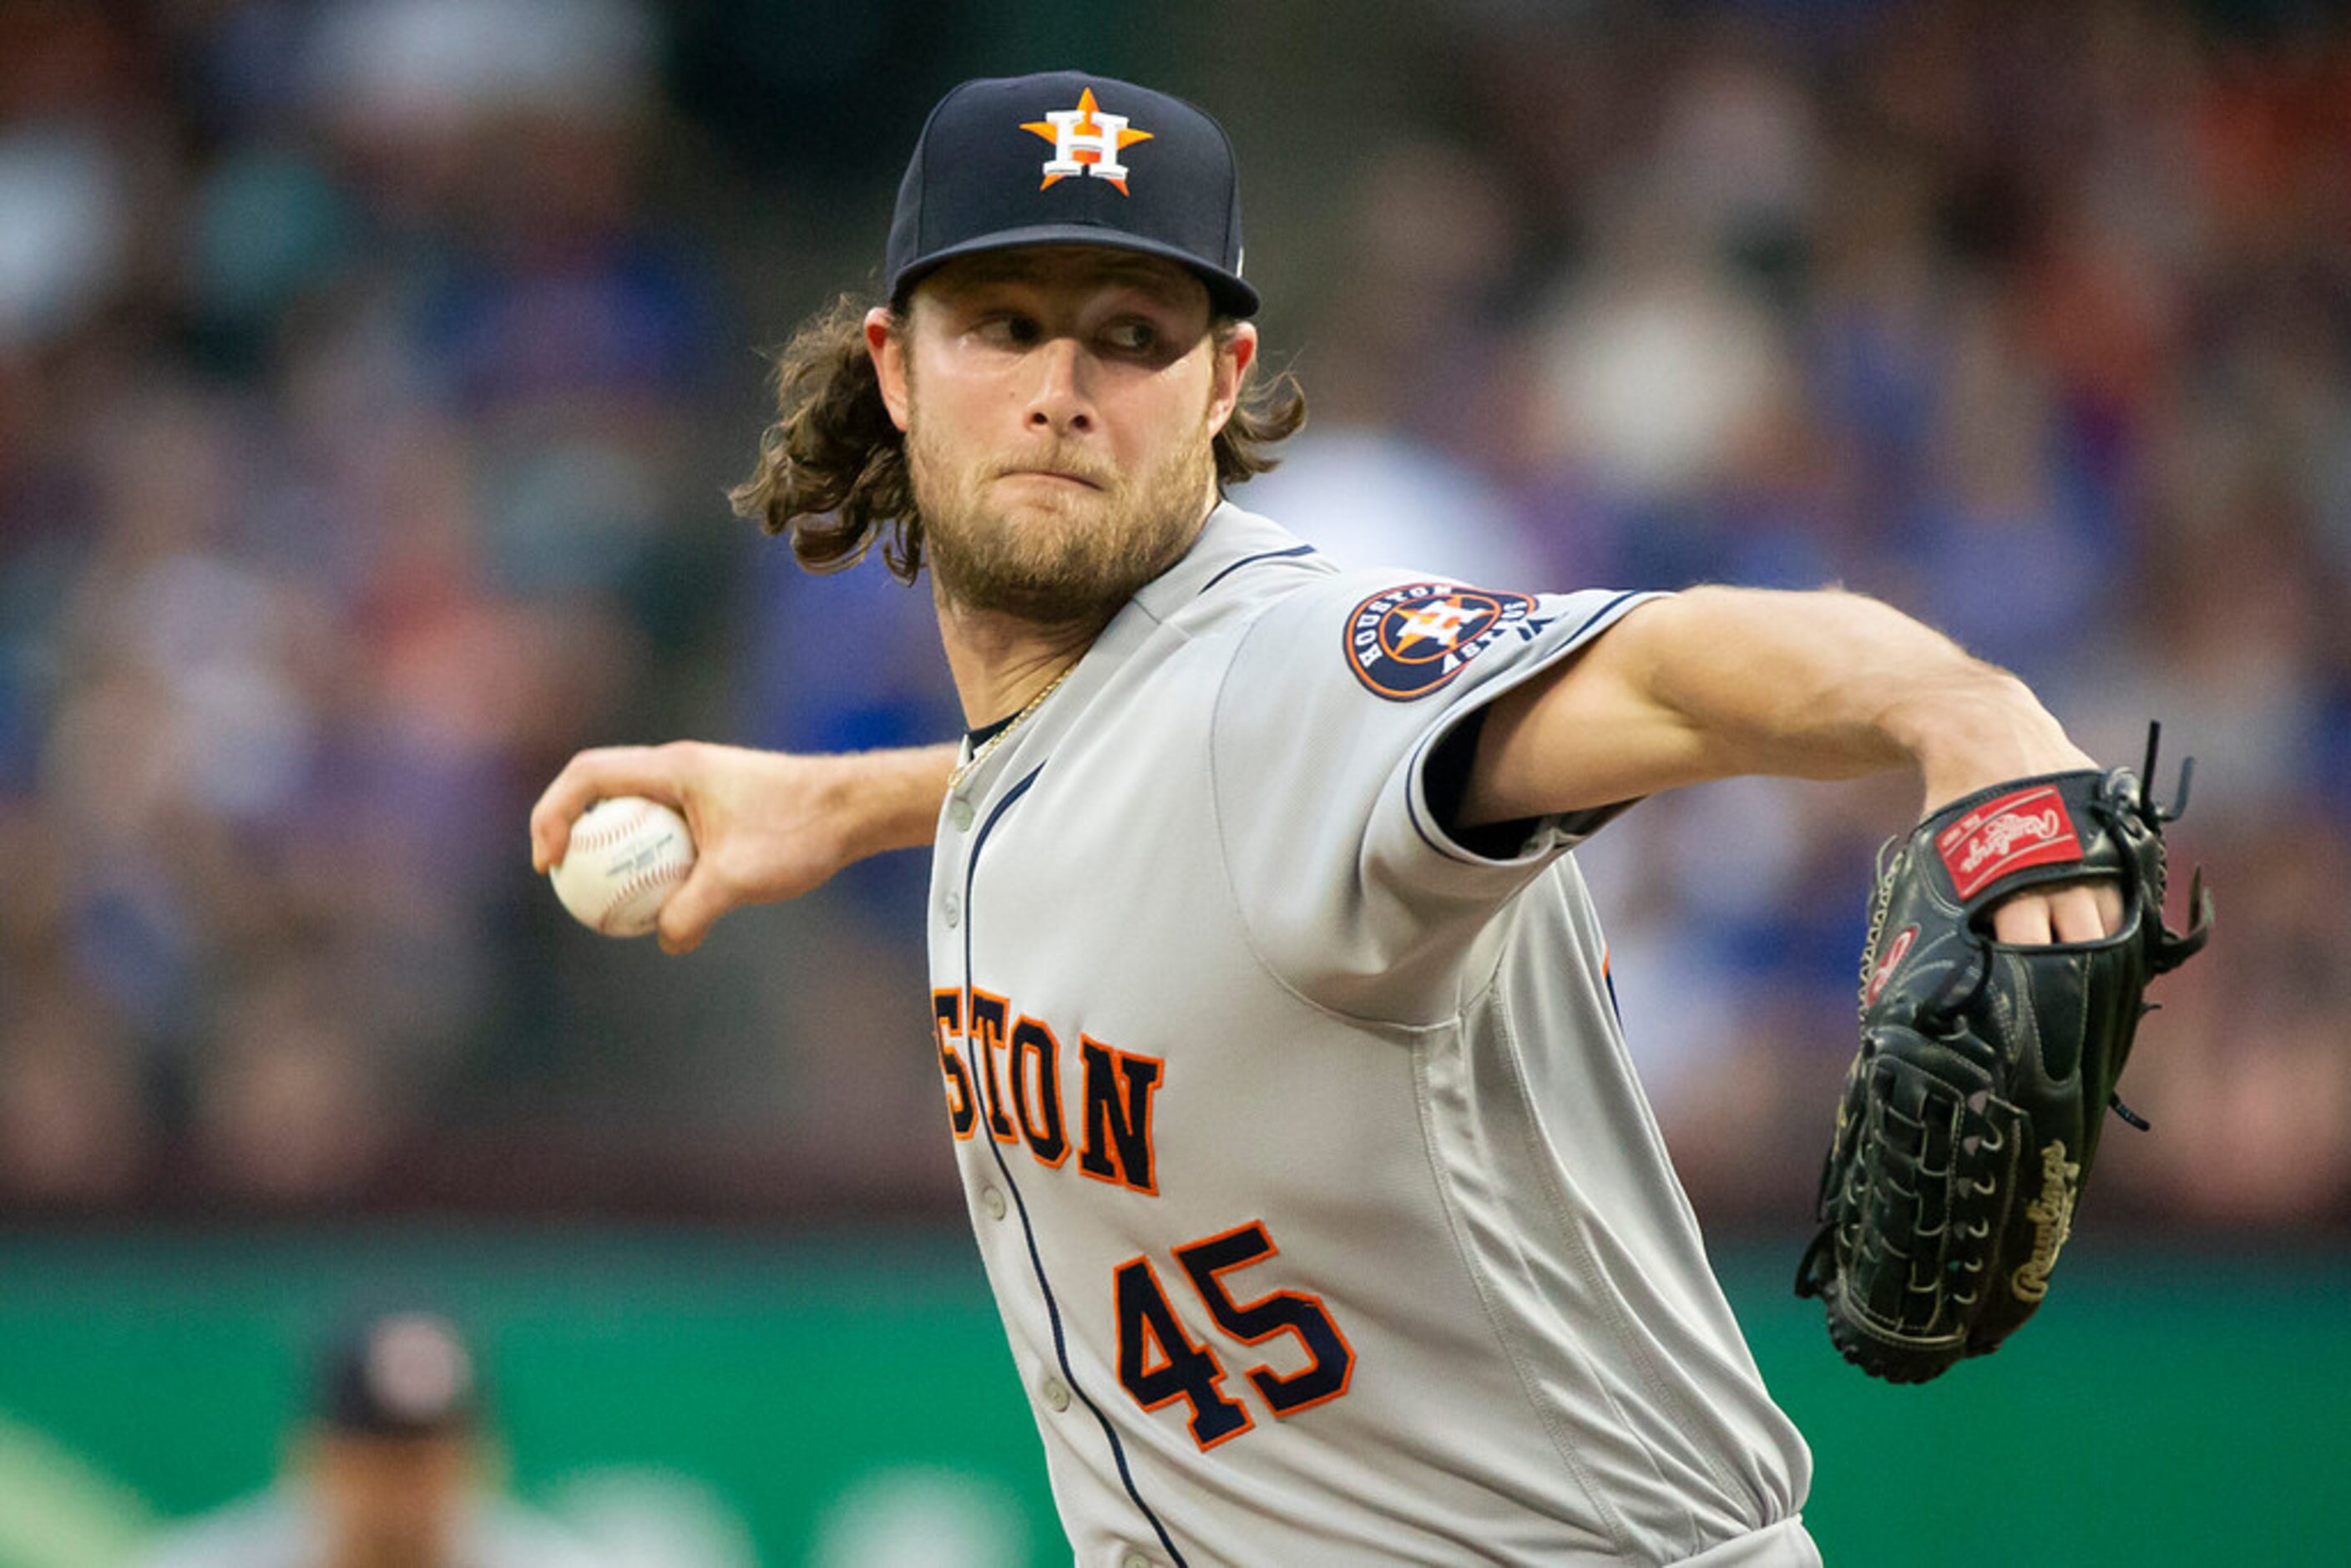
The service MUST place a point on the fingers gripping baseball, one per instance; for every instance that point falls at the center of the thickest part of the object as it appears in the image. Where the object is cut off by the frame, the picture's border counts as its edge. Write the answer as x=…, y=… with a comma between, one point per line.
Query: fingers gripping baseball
x=687, y=916
x=601, y=775
x=760, y=822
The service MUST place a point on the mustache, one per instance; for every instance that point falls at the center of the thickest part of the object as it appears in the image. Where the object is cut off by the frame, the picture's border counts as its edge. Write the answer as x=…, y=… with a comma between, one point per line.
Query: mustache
x=1057, y=460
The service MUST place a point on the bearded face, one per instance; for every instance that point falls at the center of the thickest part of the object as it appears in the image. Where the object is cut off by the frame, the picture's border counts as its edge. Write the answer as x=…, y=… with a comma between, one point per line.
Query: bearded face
x=1060, y=407
x=1054, y=535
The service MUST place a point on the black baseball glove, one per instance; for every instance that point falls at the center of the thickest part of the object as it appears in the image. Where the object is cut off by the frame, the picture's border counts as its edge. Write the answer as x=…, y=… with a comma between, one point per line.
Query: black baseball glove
x=1970, y=1117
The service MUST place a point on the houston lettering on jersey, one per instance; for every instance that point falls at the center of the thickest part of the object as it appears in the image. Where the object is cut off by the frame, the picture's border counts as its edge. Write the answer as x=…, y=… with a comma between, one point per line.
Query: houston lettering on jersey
x=1005, y=1071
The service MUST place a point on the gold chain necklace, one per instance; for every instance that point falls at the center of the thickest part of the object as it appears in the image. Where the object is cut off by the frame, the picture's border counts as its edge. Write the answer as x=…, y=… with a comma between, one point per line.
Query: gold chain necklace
x=962, y=769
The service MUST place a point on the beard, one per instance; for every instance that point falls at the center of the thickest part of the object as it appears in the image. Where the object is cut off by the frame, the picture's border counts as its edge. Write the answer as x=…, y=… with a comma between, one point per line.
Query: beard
x=1054, y=554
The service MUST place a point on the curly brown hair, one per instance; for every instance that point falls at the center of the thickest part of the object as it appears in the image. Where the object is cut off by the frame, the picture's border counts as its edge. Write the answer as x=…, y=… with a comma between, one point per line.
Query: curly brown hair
x=832, y=474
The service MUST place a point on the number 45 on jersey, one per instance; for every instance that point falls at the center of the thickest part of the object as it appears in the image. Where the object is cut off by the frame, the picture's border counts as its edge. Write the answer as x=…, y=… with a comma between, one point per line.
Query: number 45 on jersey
x=1159, y=1362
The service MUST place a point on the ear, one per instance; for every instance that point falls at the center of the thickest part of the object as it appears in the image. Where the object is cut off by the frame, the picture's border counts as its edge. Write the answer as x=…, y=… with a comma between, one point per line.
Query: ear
x=1233, y=356
x=884, y=342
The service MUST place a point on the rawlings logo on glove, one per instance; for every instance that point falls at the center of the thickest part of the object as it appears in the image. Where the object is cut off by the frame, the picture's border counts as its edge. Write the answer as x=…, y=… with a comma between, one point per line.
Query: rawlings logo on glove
x=2053, y=1222
x=1971, y=1116
x=2025, y=828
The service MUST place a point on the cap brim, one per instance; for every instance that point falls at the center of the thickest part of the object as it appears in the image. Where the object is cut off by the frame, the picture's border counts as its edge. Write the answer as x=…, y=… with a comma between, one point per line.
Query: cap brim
x=1226, y=292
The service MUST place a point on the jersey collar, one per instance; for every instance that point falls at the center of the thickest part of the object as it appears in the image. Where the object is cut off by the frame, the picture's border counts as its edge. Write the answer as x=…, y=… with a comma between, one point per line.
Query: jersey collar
x=1230, y=538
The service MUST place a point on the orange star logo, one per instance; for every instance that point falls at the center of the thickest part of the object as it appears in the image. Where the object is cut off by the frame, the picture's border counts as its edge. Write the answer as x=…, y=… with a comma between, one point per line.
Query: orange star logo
x=1085, y=142
x=1440, y=622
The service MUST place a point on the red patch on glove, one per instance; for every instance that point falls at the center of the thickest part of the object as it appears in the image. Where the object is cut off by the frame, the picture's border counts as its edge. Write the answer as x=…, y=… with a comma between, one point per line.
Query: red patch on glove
x=1899, y=949
x=2028, y=828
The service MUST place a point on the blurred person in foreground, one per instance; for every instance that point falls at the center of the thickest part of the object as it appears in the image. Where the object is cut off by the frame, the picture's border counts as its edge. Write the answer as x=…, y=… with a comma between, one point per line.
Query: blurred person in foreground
x=391, y=1468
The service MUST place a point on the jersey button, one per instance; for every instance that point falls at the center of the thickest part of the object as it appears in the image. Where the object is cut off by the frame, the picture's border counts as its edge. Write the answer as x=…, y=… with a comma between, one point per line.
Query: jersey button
x=1134, y=1560
x=1056, y=1393
x=951, y=908
x=993, y=1201
x=959, y=813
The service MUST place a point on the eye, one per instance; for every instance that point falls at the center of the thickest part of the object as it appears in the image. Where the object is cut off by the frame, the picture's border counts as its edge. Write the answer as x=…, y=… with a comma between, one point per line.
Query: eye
x=1007, y=328
x=1131, y=335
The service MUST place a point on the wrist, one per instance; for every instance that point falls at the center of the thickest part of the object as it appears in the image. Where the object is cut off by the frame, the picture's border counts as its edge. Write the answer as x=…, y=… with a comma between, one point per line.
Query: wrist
x=879, y=800
x=1981, y=730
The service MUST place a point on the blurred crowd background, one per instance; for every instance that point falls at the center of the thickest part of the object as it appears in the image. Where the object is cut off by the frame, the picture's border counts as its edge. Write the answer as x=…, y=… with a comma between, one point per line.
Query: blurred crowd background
x=370, y=372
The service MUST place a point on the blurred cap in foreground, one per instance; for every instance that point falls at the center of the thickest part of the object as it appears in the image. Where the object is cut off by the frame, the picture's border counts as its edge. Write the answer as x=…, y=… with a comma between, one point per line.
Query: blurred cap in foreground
x=399, y=1374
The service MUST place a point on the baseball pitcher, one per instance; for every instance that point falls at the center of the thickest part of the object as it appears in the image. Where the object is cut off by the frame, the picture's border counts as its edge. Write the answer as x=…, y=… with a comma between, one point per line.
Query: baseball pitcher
x=1327, y=1220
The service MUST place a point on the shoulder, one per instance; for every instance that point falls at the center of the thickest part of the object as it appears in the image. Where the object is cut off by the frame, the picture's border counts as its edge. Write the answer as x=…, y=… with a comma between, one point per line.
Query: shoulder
x=267, y=1531
x=1401, y=638
x=1239, y=563
x=507, y=1534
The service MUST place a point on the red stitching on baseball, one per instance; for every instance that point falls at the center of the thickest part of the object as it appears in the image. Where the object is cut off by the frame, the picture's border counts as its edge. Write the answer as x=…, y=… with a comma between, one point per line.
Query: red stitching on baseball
x=605, y=835
x=651, y=877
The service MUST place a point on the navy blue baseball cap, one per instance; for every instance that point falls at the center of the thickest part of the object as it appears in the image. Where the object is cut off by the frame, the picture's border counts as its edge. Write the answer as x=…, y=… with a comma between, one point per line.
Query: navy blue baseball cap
x=399, y=1374
x=1065, y=158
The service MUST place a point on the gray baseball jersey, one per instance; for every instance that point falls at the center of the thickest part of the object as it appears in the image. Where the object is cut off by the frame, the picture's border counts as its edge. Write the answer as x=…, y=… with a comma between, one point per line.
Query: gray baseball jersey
x=1326, y=1217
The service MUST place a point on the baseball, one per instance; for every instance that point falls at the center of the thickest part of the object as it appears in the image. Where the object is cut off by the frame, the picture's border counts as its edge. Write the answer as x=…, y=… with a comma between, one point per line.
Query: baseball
x=627, y=854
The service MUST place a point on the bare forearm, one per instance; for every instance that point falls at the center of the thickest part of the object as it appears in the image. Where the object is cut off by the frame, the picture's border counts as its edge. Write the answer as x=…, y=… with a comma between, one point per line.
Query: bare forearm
x=1834, y=685
x=888, y=799
x=1718, y=681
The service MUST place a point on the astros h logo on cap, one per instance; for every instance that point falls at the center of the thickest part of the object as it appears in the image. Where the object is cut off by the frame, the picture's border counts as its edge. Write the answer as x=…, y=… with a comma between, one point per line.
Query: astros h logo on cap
x=977, y=183
x=1086, y=142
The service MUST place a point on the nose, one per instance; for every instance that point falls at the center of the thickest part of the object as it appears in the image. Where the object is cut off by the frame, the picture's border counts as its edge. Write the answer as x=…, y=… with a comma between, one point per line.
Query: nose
x=1059, y=401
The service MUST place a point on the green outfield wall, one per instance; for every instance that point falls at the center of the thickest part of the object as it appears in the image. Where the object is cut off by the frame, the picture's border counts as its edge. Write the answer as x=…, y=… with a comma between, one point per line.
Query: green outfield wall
x=823, y=1399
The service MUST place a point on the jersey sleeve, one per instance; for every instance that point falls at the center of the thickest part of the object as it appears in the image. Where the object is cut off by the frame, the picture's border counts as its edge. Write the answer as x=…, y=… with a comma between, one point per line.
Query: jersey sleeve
x=1352, y=887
